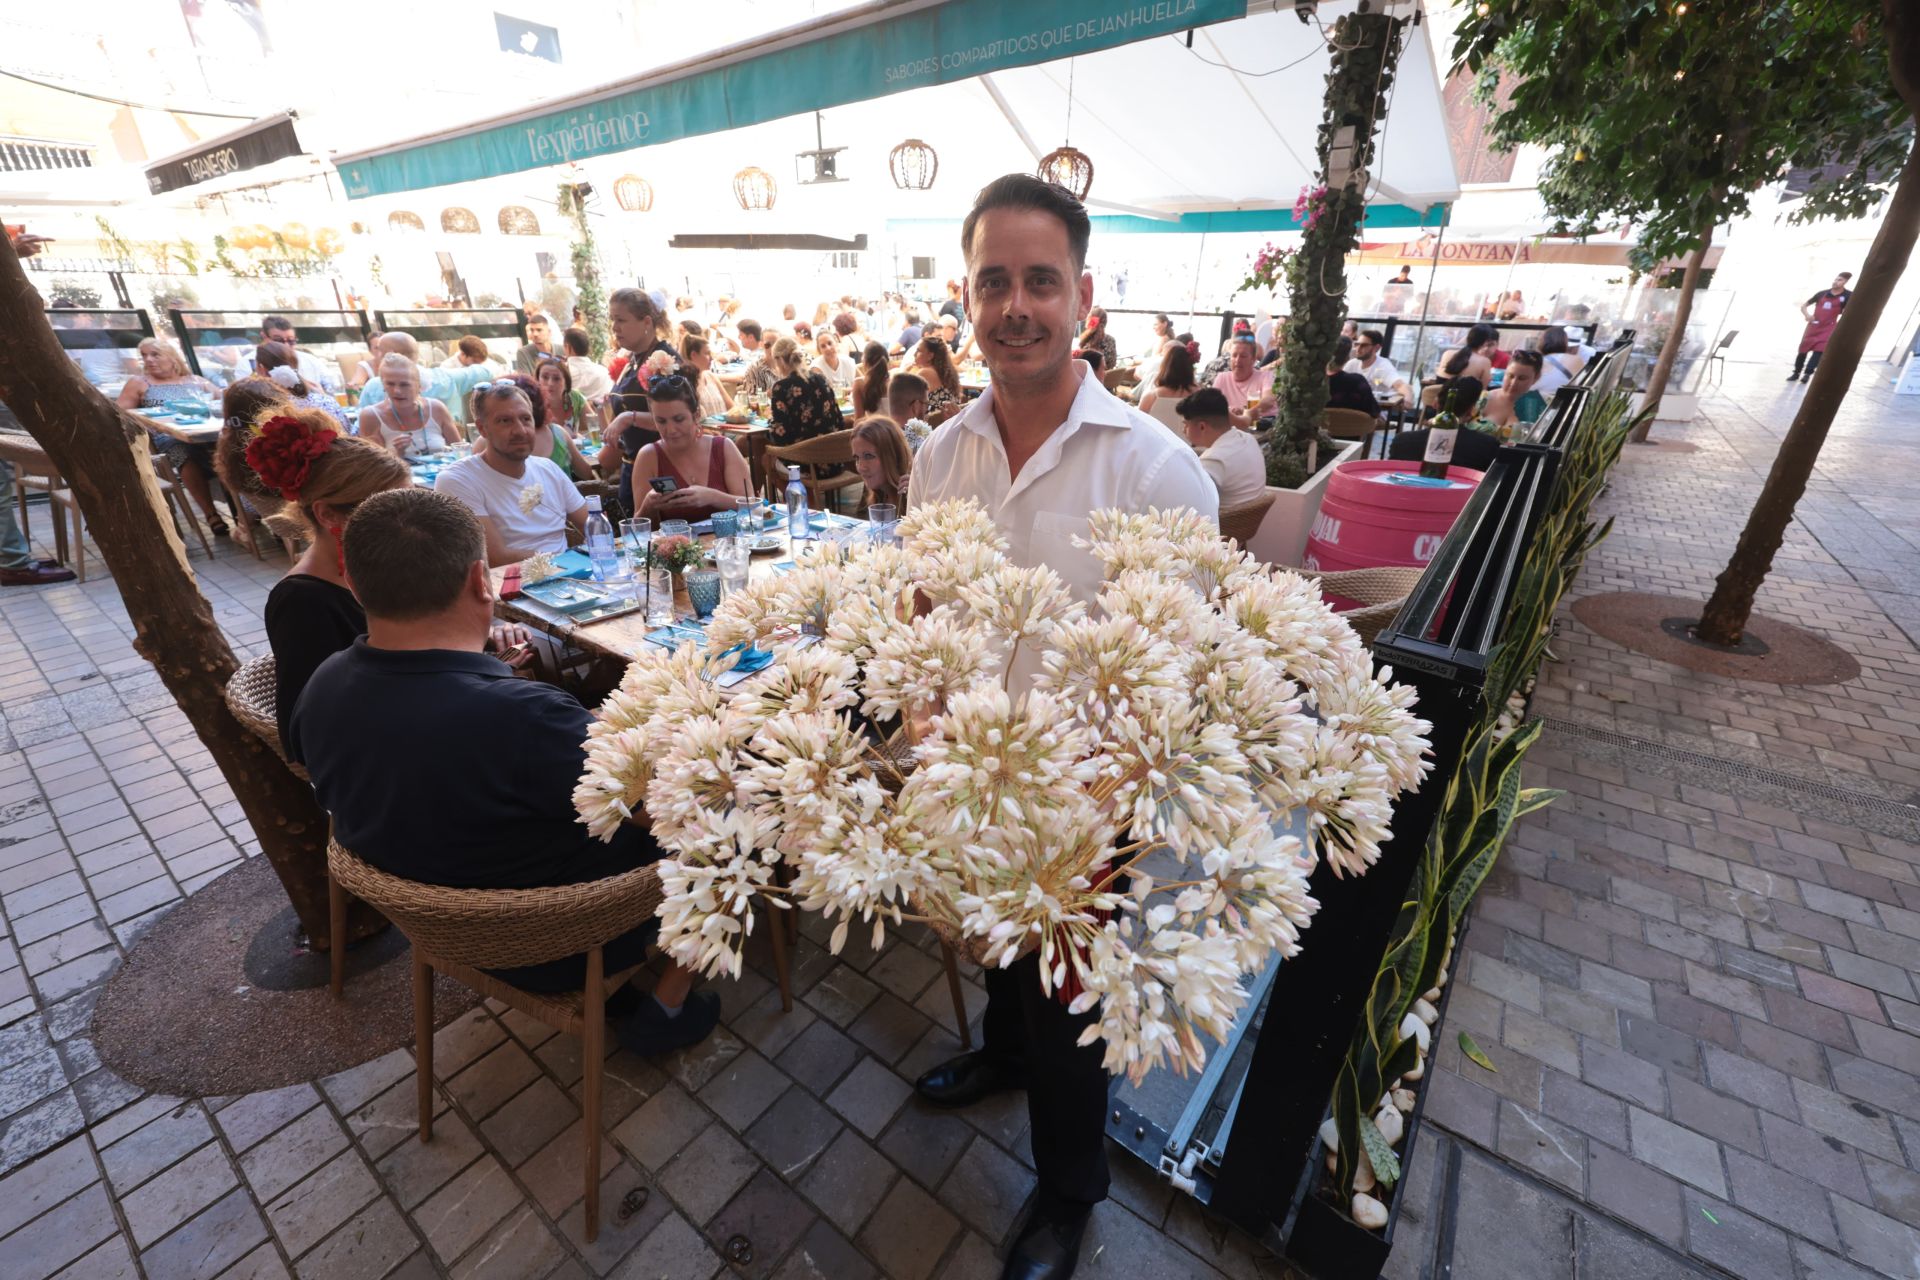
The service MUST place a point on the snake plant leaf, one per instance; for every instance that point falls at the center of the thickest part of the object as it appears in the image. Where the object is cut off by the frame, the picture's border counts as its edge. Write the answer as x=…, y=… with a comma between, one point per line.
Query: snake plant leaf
x=1386, y=1165
x=1475, y=1055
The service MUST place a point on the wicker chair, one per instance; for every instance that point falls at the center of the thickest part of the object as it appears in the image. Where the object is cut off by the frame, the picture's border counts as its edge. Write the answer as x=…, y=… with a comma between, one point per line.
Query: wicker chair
x=810, y=456
x=459, y=932
x=1380, y=592
x=252, y=696
x=1241, y=522
x=1351, y=424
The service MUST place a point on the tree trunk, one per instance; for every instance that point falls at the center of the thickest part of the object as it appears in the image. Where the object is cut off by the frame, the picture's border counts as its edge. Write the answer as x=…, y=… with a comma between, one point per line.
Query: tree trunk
x=1725, y=619
x=103, y=455
x=1670, y=349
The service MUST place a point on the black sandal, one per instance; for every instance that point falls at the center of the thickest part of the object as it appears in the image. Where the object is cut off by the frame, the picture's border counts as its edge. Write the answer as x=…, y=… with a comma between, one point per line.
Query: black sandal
x=218, y=526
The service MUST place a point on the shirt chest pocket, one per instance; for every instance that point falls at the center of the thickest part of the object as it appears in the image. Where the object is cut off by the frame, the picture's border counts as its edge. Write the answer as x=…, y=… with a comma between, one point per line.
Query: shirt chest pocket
x=1051, y=543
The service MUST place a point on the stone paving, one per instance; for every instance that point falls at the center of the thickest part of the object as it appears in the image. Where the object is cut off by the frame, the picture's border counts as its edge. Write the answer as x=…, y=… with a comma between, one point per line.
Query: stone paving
x=1694, y=975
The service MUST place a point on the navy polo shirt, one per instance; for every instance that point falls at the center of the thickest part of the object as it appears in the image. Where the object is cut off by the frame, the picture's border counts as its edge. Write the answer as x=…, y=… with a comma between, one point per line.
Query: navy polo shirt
x=442, y=766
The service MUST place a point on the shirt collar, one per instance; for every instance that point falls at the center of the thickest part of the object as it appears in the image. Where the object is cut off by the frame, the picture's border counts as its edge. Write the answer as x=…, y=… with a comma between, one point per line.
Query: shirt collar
x=424, y=661
x=1093, y=405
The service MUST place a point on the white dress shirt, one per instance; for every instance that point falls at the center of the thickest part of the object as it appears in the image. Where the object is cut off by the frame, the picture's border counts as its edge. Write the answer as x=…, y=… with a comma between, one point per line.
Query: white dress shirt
x=1106, y=454
x=1237, y=467
x=589, y=378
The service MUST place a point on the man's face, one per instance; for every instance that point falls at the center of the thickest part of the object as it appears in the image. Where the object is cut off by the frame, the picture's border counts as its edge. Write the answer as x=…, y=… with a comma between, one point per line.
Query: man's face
x=904, y=409
x=1242, y=359
x=1366, y=348
x=1840, y=282
x=749, y=341
x=538, y=334
x=1200, y=432
x=507, y=423
x=286, y=335
x=1024, y=294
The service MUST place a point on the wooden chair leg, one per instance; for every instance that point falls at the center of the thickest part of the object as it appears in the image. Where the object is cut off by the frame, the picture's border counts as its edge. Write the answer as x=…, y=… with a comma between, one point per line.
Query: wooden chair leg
x=959, y=999
x=79, y=544
x=192, y=521
x=423, y=1041
x=777, y=935
x=593, y=1053
x=336, y=937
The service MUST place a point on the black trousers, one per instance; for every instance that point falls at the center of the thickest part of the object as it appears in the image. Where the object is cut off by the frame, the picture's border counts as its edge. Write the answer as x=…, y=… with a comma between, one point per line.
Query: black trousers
x=1811, y=359
x=1066, y=1085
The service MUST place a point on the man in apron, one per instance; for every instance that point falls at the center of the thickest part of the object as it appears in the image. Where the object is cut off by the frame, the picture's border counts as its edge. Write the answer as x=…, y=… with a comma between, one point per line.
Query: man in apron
x=1821, y=312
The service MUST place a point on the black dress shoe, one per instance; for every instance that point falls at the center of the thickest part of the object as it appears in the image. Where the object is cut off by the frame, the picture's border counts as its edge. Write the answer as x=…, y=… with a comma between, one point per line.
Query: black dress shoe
x=1048, y=1247
x=649, y=1032
x=962, y=1081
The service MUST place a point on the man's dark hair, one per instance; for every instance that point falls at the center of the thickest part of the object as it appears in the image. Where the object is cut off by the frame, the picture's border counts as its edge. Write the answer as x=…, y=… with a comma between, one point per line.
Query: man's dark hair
x=1342, y=352
x=499, y=389
x=1376, y=337
x=1846, y=275
x=577, y=342
x=1207, y=403
x=271, y=323
x=1532, y=359
x=749, y=329
x=1093, y=356
x=845, y=325
x=906, y=386
x=1553, y=340
x=1024, y=191
x=409, y=551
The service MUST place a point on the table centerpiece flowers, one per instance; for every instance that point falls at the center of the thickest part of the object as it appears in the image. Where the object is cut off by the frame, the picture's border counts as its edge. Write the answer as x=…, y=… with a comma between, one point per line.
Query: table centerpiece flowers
x=887, y=766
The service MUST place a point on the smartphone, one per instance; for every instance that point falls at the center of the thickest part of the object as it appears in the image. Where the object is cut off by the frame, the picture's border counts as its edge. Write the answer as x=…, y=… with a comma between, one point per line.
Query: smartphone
x=664, y=484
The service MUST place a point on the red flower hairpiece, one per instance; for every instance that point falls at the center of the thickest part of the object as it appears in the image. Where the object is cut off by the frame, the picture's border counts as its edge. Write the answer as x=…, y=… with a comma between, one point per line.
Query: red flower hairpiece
x=283, y=450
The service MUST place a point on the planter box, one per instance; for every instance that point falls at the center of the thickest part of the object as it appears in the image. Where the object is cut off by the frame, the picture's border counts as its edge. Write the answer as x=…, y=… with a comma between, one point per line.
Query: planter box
x=1325, y=1242
x=1282, y=536
x=1675, y=406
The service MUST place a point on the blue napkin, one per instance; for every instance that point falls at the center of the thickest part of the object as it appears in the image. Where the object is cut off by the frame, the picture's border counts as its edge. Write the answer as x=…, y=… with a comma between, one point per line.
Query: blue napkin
x=1418, y=482
x=573, y=563
x=751, y=659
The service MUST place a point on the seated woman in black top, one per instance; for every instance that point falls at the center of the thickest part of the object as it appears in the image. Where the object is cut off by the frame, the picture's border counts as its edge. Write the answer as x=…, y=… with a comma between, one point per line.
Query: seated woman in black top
x=1349, y=390
x=804, y=405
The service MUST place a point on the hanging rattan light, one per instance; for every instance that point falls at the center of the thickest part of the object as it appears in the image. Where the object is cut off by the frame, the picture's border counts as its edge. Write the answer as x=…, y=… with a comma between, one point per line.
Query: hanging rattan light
x=914, y=165
x=633, y=193
x=1068, y=167
x=754, y=188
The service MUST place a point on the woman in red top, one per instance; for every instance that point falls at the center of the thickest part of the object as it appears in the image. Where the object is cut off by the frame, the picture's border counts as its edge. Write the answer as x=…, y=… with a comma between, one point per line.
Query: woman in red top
x=707, y=472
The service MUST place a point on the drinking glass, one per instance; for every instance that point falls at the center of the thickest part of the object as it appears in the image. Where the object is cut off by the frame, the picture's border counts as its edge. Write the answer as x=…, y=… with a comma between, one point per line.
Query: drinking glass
x=747, y=513
x=726, y=524
x=880, y=521
x=675, y=529
x=703, y=591
x=733, y=557
x=659, y=596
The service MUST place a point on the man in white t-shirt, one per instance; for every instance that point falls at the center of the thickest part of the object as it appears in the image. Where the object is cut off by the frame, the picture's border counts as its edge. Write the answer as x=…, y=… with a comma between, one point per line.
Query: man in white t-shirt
x=1376, y=368
x=1043, y=448
x=1231, y=457
x=524, y=503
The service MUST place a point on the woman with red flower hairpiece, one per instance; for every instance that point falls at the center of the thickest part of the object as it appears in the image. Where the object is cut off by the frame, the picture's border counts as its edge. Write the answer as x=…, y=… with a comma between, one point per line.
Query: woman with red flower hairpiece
x=299, y=455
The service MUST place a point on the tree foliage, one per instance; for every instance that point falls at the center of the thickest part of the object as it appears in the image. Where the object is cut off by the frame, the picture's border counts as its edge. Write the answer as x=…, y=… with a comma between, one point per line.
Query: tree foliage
x=1669, y=114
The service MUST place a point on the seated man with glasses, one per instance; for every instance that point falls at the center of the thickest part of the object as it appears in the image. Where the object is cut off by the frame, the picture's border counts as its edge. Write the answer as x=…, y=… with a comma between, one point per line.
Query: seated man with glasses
x=500, y=754
x=1388, y=386
x=525, y=504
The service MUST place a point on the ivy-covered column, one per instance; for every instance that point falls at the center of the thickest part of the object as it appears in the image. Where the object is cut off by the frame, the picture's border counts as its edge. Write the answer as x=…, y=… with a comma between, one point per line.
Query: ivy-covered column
x=1366, y=51
x=586, y=273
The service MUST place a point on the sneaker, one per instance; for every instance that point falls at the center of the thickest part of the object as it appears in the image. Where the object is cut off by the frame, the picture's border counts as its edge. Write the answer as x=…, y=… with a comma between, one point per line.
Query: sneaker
x=650, y=1032
x=35, y=573
x=1794, y=376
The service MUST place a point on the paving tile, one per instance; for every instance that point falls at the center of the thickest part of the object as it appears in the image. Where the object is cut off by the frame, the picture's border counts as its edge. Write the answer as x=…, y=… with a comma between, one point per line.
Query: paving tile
x=555, y=1175
x=1738, y=1242
x=357, y=1086
x=1875, y=1240
x=370, y=1245
x=176, y=1195
x=55, y=1238
x=767, y=1213
x=908, y=1233
x=414, y=1170
x=987, y=1189
x=521, y=1246
x=1853, y=1122
x=1739, y=1077
x=767, y=1027
x=501, y=1072
x=619, y=1235
x=694, y=1067
x=1781, y=1198
x=29, y=1192
x=1545, y=1146
x=151, y=1148
x=1634, y=1191
x=529, y=1121
x=824, y=1254
x=1686, y=1155
x=309, y=1212
x=258, y=1115
x=467, y=1208
x=818, y=1057
x=745, y=1087
x=292, y=1153
x=925, y=1142
x=385, y=1122
x=869, y=1096
x=662, y=1128
x=847, y=1181
x=675, y=1249
x=1824, y=1161
x=792, y=1132
x=109, y=1261
x=708, y=1173
x=1721, y=1118
x=1624, y=1075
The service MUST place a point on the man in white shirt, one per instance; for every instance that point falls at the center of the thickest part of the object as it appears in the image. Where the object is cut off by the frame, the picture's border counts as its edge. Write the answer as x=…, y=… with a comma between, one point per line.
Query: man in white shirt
x=1376, y=368
x=589, y=375
x=525, y=504
x=1044, y=447
x=1231, y=457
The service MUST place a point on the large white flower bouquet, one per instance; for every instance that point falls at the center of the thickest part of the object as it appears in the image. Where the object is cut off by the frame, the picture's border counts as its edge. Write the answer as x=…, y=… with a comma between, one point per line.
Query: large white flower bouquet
x=887, y=761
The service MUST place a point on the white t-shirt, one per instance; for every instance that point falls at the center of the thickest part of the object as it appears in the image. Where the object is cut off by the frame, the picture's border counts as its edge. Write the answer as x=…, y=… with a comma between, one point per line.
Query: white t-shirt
x=1106, y=454
x=496, y=497
x=590, y=379
x=1382, y=374
x=841, y=378
x=1237, y=467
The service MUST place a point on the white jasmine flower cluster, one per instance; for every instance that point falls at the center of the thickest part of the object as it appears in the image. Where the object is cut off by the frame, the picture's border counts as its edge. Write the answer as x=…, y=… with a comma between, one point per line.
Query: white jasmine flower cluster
x=883, y=767
x=530, y=496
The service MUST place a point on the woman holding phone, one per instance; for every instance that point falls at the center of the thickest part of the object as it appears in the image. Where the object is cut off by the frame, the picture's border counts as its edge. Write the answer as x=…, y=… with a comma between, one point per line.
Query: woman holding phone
x=686, y=474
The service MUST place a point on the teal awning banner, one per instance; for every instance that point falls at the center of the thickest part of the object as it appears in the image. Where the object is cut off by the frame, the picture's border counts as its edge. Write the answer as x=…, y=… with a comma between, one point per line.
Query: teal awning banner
x=1380, y=217
x=954, y=41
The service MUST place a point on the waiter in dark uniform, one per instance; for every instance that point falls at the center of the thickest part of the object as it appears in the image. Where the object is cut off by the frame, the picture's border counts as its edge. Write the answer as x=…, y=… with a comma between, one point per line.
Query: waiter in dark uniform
x=1821, y=312
x=1042, y=448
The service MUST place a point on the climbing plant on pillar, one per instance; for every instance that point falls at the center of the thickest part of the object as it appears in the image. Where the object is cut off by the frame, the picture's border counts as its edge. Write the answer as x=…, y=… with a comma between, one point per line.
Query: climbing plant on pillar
x=1365, y=50
x=586, y=270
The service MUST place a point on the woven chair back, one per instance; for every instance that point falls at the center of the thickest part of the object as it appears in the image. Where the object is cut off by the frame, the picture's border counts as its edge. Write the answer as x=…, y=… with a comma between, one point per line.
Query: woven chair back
x=502, y=928
x=1350, y=424
x=1243, y=521
x=253, y=697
